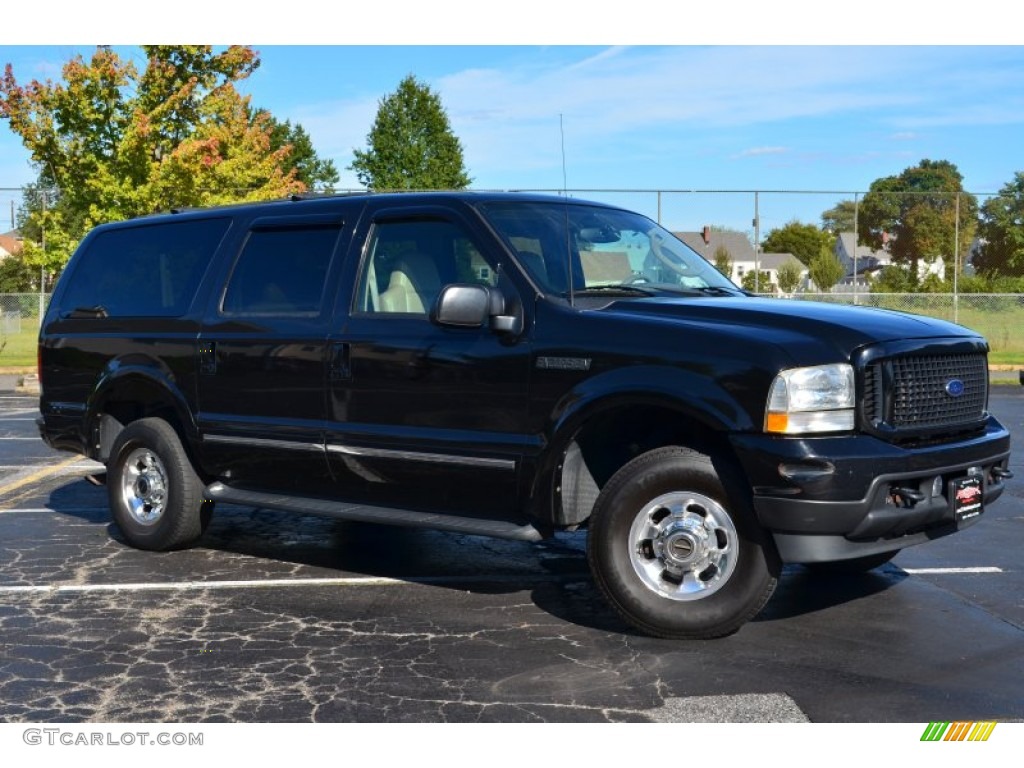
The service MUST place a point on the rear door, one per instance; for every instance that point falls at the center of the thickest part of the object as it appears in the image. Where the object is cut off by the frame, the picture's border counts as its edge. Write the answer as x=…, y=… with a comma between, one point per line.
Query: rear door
x=262, y=356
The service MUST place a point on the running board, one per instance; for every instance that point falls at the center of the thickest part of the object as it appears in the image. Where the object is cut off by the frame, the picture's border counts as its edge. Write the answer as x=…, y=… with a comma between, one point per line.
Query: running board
x=366, y=513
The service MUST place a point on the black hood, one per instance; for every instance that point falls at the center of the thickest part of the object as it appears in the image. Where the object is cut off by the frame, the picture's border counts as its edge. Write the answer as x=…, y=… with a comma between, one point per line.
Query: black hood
x=792, y=323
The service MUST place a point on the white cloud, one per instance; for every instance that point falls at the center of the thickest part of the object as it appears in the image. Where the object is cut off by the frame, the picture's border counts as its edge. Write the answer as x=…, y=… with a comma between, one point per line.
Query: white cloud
x=647, y=105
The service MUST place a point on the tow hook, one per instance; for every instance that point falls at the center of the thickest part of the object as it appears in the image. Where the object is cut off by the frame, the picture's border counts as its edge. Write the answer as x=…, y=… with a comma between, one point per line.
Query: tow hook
x=905, y=497
x=1001, y=473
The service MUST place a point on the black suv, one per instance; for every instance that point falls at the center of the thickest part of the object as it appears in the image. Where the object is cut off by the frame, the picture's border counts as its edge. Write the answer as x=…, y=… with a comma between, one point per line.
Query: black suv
x=512, y=365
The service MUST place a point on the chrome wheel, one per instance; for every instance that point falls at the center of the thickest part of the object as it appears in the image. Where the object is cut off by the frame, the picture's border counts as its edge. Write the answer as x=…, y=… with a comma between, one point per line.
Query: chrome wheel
x=683, y=546
x=675, y=553
x=144, y=486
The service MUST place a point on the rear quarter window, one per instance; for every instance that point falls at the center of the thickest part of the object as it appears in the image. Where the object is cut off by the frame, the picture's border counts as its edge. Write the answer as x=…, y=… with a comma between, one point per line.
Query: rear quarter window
x=146, y=271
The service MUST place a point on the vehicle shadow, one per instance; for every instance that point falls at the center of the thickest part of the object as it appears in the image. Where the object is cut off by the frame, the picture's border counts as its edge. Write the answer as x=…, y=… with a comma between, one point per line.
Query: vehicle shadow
x=802, y=591
x=264, y=544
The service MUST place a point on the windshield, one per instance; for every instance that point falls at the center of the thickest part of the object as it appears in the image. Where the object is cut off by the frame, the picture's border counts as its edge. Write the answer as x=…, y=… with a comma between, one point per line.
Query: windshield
x=608, y=249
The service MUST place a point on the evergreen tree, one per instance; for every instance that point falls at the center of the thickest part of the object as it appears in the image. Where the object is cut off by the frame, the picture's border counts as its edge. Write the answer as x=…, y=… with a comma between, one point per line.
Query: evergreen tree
x=411, y=144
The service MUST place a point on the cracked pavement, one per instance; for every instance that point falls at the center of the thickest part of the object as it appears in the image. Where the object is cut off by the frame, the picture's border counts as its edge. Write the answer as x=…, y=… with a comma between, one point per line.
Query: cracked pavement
x=283, y=618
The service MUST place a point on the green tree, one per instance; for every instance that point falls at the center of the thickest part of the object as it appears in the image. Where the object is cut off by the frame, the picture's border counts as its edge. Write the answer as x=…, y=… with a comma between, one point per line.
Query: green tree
x=932, y=283
x=411, y=144
x=918, y=209
x=839, y=218
x=802, y=240
x=16, y=276
x=314, y=172
x=723, y=261
x=1002, y=231
x=789, y=275
x=895, y=279
x=825, y=270
x=762, y=283
x=114, y=143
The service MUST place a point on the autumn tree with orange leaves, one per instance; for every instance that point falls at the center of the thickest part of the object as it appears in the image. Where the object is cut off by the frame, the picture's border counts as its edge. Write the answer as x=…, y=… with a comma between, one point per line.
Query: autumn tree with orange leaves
x=114, y=143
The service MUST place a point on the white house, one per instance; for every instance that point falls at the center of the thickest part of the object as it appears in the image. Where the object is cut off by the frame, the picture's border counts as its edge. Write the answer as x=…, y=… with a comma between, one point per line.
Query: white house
x=10, y=244
x=870, y=262
x=744, y=259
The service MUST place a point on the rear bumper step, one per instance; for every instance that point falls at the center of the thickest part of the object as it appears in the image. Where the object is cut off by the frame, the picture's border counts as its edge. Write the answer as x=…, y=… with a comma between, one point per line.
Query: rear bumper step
x=366, y=513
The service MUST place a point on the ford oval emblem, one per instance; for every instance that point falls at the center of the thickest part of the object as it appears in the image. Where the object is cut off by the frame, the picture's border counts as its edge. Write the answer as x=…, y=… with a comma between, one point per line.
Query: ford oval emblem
x=954, y=387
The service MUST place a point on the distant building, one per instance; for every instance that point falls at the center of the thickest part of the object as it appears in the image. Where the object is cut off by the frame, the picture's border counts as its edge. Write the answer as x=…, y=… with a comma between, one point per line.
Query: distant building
x=870, y=262
x=10, y=244
x=741, y=252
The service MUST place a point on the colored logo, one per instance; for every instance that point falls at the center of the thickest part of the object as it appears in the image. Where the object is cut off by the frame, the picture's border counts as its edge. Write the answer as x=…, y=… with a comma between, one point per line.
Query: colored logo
x=968, y=495
x=958, y=731
x=954, y=387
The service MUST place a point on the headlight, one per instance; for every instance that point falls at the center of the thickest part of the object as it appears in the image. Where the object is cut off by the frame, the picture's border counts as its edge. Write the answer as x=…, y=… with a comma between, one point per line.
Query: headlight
x=818, y=399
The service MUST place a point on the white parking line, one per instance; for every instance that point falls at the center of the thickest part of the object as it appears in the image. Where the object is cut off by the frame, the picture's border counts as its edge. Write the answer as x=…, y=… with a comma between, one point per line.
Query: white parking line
x=973, y=569
x=37, y=510
x=34, y=474
x=36, y=438
x=67, y=470
x=352, y=581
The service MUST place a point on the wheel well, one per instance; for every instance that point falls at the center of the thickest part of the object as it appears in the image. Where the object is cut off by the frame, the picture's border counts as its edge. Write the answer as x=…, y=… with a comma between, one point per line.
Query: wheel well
x=610, y=440
x=130, y=401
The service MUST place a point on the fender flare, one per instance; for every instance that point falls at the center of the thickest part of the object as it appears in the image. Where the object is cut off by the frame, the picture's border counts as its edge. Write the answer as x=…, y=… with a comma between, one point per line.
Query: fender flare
x=137, y=371
x=695, y=397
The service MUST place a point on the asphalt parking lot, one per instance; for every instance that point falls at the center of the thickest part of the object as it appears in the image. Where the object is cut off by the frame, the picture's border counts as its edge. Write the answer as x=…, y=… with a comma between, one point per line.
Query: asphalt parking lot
x=285, y=618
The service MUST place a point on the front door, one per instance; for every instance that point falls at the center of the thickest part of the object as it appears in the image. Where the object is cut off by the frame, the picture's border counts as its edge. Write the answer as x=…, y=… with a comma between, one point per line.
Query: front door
x=424, y=416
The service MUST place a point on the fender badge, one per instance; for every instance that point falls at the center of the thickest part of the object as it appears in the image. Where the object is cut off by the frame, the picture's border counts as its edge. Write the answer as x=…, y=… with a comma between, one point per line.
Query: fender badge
x=564, y=363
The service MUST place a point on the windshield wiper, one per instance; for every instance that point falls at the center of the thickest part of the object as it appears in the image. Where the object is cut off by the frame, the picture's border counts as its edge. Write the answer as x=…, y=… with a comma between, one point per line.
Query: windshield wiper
x=613, y=288
x=717, y=290
x=80, y=312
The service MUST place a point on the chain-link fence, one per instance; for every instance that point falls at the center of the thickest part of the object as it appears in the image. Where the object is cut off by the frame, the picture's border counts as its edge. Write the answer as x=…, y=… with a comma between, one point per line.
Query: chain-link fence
x=998, y=317
x=19, y=328
x=755, y=214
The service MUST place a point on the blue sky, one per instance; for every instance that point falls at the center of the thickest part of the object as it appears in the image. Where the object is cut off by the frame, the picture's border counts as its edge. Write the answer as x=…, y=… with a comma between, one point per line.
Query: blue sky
x=830, y=118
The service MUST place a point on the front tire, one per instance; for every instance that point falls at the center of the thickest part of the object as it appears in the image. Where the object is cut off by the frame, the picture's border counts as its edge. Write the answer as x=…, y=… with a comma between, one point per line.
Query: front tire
x=155, y=495
x=674, y=552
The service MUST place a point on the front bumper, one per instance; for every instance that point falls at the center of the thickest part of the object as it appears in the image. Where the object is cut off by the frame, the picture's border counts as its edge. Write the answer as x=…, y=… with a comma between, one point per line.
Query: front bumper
x=835, y=498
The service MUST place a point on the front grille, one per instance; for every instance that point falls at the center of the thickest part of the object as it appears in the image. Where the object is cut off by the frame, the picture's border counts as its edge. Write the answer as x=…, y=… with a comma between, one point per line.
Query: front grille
x=914, y=393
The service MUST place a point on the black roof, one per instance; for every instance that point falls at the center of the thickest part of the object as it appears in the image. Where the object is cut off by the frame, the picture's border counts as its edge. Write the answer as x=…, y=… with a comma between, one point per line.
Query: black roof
x=315, y=202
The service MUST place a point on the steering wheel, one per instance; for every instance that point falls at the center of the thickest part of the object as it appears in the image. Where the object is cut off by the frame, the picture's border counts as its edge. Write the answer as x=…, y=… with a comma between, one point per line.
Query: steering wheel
x=659, y=252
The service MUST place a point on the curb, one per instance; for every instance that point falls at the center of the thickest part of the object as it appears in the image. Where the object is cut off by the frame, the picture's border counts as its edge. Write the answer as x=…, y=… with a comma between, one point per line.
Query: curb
x=28, y=384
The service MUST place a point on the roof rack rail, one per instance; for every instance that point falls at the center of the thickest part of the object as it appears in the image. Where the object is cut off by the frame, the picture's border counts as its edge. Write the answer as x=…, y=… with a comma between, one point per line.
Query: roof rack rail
x=321, y=195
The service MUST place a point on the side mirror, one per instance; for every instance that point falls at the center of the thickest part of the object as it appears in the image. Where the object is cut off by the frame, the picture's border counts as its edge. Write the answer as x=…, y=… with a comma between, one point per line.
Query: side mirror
x=463, y=306
x=468, y=305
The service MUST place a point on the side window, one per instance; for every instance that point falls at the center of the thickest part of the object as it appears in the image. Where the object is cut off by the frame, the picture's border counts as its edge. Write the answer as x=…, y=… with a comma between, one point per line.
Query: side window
x=145, y=271
x=281, y=271
x=409, y=262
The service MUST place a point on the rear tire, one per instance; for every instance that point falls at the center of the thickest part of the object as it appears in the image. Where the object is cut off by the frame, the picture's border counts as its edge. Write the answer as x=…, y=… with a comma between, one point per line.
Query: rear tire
x=155, y=495
x=674, y=552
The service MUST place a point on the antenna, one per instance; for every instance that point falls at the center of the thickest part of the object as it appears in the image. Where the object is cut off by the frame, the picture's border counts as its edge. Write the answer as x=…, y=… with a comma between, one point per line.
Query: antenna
x=565, y=197
x=561, y=131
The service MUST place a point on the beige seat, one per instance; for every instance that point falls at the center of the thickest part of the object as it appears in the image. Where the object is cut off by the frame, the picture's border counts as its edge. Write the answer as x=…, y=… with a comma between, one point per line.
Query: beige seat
x=605, y=267
x=413, y=286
